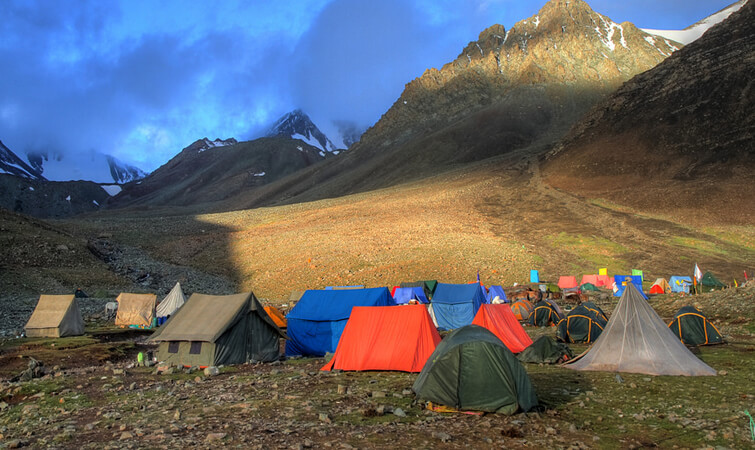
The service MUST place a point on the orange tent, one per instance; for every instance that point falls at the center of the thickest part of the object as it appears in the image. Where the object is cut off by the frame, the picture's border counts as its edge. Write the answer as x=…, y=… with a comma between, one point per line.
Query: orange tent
x=501, y=321
x=567, y=282
x=386, y=338
x=604, y=280
x=522, y=309
x=592, y=279
x=276, y=315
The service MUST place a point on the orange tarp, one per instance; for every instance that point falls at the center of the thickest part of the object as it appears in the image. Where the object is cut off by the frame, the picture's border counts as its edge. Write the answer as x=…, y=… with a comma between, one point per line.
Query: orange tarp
x=522, y=309
x=501, y=321
x=567, y=282
x=276, y=315
x=386, y=338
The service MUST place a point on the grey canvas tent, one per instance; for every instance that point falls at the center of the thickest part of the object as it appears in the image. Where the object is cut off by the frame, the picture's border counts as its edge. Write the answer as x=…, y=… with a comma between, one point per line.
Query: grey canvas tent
x=210, y=330
x=55, y=316
x=636, y=340
x=170, y=304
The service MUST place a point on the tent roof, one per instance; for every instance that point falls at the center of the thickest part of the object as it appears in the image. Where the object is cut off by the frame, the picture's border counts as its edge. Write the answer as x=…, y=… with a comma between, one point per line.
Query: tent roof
x=565, y=282
x=496, y=291
x=50, y=311
x=500, y=320
x=135, y=309
x=206, y=317
x=386, y=338
x=174, y=300
x=636, y=340
x=404, y=295
x=334, y=304
x=458, y=293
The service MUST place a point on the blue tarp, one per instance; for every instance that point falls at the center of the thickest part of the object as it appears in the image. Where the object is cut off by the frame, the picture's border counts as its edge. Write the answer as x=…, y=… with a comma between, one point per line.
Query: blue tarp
x=404, y=295
x=621, y=279
x=534, y=276
x=680, y=284
x=496, y=291
x=316, y=322
x=455, y=305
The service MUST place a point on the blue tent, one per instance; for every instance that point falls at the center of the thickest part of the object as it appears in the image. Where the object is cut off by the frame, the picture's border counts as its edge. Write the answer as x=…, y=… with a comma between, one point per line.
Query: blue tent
x=680, y=284
x=496, y=291
x=404, y=295
x=621, y=279
x=455, y=305
x=316, y=322
x=534, y=276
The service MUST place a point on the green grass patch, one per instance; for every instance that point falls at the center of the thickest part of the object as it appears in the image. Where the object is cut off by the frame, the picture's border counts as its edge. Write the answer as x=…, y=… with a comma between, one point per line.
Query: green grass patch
x=702, y=246
x=593, y=250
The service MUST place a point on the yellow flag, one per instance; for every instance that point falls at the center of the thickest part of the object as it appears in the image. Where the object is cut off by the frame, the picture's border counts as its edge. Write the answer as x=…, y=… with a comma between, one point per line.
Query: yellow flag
x=735, y=283
x=603, y=271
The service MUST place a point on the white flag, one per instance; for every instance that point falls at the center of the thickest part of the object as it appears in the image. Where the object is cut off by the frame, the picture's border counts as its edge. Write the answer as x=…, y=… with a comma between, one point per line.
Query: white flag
x=698, y=273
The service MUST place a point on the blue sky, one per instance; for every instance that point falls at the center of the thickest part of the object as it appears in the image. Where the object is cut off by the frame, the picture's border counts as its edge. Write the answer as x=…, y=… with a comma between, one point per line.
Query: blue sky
x=142, y=79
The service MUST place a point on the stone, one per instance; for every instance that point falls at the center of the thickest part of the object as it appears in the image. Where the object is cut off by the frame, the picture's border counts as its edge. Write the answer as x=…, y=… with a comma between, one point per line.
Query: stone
x=342, y=389
x=325, y=418
x=550, y=430
x=378, y=394
x=177, y=415
x=445, y=437
x=723, y=372
x=211, y=371
x=212, y=437
x=399, y=412
x=126, y=436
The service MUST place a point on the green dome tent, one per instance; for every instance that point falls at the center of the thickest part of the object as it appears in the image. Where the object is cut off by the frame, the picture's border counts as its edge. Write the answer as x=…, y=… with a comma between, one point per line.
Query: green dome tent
x=582, y=324
x=710, y=283
x=545, y=314
x=588, y=287
x=471, y=369
x=547, y=351
x=693, y=328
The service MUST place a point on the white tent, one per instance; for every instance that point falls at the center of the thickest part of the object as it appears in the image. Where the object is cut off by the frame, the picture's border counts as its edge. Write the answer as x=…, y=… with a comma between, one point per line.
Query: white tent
x=170, y=304
x=636, y=340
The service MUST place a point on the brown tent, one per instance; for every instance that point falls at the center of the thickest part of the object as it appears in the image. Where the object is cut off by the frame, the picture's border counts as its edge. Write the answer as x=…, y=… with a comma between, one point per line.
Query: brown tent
x=136, y=309
x=210, y=330
x=55, y=316
x=636, y=340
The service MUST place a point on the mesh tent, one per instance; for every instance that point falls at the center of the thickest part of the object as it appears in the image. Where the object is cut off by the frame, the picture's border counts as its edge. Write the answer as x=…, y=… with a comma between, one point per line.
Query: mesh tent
x=636, y=340
x=55, y=316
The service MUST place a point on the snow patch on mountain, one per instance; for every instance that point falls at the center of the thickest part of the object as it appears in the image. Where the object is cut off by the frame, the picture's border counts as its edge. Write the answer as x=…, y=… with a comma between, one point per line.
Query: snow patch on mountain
x=693, y=32
x=111, y=189
x=11, y=164
x=87, y=166
x=298, y=125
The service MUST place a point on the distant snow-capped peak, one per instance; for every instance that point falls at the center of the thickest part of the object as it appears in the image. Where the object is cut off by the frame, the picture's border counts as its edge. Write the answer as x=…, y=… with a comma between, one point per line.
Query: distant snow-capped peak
x=693, y=32
x=11, y=164
x=88, y=166
x=298, y=125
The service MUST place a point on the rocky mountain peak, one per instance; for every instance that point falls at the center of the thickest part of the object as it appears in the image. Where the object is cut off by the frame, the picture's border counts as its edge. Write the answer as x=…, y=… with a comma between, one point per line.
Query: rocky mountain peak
x=297, y=125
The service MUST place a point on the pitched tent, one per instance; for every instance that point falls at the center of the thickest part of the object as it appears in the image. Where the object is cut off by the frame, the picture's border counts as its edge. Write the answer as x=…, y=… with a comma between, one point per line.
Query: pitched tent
x=621, y=283
x=534, y=276
x=420, y=284
x=276, y=316
x=402, y=296
x=588, y=287
x=522, y=309
x=315, y=324
x=170, y=304
x=431, y=286
x=455, y=305
x=710, y=283
x=693, y=328
x=595, y=309
x=544, y=314
x=545, y=350
x=55, y=316
x=636, y=340
x=210, y=330
x=566, y=282
x=582, y=324
x=680, y=284
x=592, y=279
x=496, y=294
x=660, y=286
x=136, y=309
x=604, y=280
x=471, y=369
x=386, y=338
x=638, y=273
x=501, y=321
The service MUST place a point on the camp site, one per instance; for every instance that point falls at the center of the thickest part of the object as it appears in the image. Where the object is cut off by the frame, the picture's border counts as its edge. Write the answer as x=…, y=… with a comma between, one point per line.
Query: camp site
x=443, y=365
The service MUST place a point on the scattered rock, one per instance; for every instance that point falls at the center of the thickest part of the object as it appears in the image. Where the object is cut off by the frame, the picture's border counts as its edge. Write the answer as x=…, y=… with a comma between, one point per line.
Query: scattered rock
x=378, y=394
x=325, y=418
x=126, y=436
x=211, y=371
x=399, y=412
x=342, y=389
x=444, y=437
x=212, y=437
